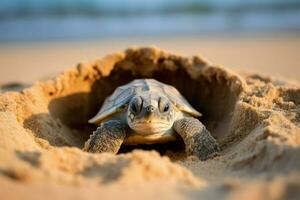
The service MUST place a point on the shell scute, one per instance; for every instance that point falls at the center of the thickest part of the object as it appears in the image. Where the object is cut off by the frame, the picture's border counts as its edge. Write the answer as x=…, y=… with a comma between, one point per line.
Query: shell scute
x=123, y=94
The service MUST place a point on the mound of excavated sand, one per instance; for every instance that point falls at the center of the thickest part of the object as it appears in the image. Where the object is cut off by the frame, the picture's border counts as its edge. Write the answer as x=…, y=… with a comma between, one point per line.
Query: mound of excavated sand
x=254, y=118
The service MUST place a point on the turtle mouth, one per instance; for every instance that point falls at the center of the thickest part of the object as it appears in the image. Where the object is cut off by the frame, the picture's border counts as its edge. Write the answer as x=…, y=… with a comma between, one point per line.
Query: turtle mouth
x=154, y=122
x=147, y=128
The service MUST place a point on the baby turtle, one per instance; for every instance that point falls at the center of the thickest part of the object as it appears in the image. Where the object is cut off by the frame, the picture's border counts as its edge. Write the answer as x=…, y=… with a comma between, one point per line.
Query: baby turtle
x=146, y=111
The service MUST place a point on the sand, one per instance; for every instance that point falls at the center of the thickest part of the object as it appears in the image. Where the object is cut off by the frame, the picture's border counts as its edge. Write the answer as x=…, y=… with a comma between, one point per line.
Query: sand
x=255, y=119
x=270, y=54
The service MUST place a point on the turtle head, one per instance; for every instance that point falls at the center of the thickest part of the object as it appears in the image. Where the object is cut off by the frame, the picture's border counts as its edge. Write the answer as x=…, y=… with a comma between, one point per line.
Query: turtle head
x=150, y=113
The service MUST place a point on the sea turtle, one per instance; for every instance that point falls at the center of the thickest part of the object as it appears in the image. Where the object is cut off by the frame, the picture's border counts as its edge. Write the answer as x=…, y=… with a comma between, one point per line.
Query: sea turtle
x=146, y=111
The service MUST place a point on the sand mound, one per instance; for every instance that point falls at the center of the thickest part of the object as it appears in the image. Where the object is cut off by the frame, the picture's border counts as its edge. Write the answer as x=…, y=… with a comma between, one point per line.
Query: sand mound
x=254, y=118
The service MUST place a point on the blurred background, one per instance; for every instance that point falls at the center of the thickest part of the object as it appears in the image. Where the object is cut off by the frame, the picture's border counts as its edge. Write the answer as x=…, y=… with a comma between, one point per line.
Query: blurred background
x=40, y=38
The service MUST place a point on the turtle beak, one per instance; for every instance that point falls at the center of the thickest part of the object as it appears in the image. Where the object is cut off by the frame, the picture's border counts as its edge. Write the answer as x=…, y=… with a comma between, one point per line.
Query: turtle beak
x=149, y=112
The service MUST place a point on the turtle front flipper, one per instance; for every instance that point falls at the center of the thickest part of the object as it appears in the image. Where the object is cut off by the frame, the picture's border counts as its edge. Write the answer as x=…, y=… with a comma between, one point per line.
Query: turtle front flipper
x=108, y=137
x=198, y=140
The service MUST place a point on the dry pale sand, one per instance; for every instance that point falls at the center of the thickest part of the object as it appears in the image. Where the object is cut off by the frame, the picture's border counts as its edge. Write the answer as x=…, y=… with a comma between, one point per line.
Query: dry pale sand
x=276, y=55
x=254, y=118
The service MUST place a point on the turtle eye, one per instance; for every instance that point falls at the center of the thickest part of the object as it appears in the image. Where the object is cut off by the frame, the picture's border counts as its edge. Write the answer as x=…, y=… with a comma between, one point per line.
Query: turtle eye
x=167, y=107
x=133, y=108
x=136, y=105
x=164, y=105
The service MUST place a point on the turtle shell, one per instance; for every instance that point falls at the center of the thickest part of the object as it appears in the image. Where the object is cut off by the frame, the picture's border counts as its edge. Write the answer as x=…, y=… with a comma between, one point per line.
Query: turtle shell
x=123, y=94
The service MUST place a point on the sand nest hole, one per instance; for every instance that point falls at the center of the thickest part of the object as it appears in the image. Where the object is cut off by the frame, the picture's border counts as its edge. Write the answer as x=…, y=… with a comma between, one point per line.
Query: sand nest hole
x=76, y=95
x=255, y=119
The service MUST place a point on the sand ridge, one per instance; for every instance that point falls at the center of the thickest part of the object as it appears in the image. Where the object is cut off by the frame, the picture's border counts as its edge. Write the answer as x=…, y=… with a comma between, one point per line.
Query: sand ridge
x=254, y=118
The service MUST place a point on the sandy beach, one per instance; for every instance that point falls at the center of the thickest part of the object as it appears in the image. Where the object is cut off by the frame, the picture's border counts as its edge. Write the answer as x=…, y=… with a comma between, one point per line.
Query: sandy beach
x=254, y=118
x=275, y=55
x=163, y=99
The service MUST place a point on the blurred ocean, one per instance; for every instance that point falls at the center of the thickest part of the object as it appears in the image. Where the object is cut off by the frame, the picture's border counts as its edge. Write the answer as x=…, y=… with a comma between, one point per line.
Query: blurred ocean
x=31, y=20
